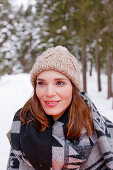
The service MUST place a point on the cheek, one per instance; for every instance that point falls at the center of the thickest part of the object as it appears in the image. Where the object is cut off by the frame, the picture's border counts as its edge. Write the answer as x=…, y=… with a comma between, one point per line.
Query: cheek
x=39, y=93
x=67, y=94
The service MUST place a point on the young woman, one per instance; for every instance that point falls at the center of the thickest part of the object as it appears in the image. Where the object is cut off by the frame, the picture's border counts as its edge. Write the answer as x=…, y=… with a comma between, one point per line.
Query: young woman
x=59, y=127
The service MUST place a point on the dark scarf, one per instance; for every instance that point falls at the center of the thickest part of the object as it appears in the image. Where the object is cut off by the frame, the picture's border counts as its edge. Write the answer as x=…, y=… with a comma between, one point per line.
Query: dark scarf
x=37, y=147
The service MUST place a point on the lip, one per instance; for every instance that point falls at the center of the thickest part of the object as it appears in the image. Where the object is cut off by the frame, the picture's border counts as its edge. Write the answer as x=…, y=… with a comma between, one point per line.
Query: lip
x=51, y=103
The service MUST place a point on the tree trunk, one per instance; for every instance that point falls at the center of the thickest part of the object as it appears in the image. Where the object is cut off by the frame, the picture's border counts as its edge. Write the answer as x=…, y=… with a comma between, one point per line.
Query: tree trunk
x=112, y=101
x=98, y=67
x=84, y=64
x=109, y=74
x=91, y=65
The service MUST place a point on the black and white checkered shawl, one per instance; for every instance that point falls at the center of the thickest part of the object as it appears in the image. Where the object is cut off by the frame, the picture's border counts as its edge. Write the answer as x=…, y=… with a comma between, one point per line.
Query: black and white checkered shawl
x=94, y=153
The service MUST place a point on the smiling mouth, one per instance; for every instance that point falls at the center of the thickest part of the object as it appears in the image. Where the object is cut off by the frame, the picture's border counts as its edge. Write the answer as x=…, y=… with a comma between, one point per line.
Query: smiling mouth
x=51, y=103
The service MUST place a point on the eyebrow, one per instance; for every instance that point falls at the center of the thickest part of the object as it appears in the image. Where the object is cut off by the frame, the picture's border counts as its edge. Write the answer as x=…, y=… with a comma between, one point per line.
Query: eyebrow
x=40, y=79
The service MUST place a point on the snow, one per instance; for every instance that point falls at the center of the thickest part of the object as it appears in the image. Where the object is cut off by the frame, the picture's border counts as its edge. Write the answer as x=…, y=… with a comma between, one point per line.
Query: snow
x=20, y=3
x=16, y=89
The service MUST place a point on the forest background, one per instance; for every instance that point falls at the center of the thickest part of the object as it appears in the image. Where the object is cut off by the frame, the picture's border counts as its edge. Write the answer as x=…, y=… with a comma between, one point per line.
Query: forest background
x=85, y=27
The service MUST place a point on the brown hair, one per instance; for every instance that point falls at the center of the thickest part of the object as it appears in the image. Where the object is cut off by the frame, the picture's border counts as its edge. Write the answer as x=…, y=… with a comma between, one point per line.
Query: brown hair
x=80, y=115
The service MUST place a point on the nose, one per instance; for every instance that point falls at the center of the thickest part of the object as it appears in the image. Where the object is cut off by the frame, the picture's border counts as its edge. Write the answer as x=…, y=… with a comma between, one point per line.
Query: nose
x=50, y=91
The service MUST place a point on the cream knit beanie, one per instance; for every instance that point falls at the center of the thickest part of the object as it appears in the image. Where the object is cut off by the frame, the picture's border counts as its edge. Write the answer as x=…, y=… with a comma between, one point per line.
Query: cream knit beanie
x=60, y=59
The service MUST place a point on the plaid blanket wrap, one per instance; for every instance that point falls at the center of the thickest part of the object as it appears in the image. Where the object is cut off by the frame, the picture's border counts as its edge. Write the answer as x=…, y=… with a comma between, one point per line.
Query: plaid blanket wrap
x=94, y=153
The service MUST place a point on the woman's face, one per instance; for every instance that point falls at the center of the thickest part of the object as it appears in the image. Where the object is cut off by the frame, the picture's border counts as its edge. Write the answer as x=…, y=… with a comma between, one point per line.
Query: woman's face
x=54, y=91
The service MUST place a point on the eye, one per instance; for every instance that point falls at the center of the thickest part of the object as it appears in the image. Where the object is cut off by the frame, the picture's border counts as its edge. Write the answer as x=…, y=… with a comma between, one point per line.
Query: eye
x=60, y=83
x=40, y=83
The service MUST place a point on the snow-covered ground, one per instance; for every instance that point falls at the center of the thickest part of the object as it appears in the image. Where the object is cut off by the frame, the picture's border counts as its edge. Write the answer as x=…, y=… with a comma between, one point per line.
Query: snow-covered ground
x=16, y=89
